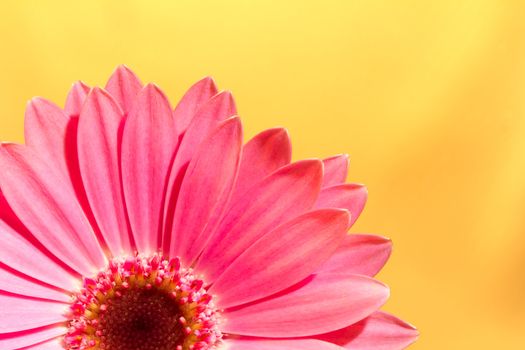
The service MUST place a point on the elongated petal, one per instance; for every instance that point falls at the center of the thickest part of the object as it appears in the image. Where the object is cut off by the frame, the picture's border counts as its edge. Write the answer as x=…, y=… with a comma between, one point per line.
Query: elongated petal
x=206, y=119
x=261, y=156
x=18, y=340
x=20, y=313
x=13, y=282
x=75, y=98
x=206, y=188
x=359, y=254
x=148, y=145
x=197, y=94
x=53, y=344
x=22, y=255
x=288, y=192
x=379, y=331
x=320, y=304
x=124, y=86
x=45, y=131
x=98, y=142
x=351, y=197
x=282, y=258
x=281, y=344
x=48, y=208
x=335, y=170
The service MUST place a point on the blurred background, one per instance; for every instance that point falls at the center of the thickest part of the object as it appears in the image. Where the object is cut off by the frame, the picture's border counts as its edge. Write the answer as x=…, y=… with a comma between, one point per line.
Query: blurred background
x=427, y=97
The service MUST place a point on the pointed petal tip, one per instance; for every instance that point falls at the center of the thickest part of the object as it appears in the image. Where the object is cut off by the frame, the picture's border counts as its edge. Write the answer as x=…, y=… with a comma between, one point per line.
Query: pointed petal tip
x=36, y=100
x=338, y=156
x=153, y=88
x=80, y=84
x=208, y=82
x=225, y=95
x=122, y=68
x=400, y=322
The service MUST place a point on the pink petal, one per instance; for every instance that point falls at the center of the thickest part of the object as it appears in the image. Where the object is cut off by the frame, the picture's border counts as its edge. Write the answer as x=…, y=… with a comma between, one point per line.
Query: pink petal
x=348, y=196
x=22, y=255
x=379, y=331
x=206, y=119
x=75, y=99
x=322, y=303
x=48, y=208
x=281, y=344
x=124, y=86
x=53, y=344
x=148, y=145
x=261, y=156
x=360, y=254
x=20, y=313
x=14, y=282
x=45, y=131
x=283, y=195
x=12, y=341
x=281, y=258
x=335, y=170
x=99, y=133
x=197, y=94
x=205, y=189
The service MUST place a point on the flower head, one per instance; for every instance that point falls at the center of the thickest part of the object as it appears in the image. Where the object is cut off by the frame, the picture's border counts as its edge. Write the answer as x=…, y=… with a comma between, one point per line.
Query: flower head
x=127, y=224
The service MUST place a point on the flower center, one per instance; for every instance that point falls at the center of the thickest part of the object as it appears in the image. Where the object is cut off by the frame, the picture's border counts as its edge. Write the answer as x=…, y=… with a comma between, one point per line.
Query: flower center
x=143, y=303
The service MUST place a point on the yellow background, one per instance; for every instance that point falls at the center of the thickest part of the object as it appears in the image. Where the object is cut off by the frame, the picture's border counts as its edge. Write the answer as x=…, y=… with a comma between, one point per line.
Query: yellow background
x=426, y=96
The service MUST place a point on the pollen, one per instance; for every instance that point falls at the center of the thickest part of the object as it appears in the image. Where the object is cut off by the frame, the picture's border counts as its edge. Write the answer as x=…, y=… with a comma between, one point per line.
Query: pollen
x=143, y=303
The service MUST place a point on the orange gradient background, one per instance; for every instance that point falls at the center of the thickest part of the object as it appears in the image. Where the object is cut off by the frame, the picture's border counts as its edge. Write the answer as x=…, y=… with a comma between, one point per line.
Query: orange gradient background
x=427, y=97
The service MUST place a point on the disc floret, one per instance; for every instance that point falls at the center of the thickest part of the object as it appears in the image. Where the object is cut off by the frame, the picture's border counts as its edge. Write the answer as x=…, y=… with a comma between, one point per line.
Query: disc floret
x=143, y=303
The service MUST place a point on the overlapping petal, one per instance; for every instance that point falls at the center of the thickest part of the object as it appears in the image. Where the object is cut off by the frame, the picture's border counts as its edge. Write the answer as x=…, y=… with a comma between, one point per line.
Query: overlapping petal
x=148, y=145
x=48, y=207
x=204, y=194
x=193, y=99
x=322, y=303
x=99, y=136
x=271, y=264
x=20, y=313
x=261, y=156
x=286, y=193
x=33, y=337
x=119, y=171
x=359, y=254
x=75, y=99
x=379, y=331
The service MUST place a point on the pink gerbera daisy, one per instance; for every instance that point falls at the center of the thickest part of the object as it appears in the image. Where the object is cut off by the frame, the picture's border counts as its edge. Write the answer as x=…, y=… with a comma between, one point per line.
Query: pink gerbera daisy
x=126, y=224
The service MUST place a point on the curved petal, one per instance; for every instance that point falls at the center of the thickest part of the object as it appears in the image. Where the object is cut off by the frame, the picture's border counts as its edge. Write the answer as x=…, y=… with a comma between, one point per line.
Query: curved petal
x=20, y=313
x=281, y=344
x=281, y=258
x=20, y=254
x=148, y=144
x=53, y=344
x=197, y=94
x=359, y=254
x=75, y=98
x=50, y=210
x=18, y=340
x=99, y=129
x=261, y=156
x=379, y=331
x=124, y=86
x=335, y=170
x=205, y=189
x=351, y=197
x=45, y=130
x=206, y=119
x=12, y=281
x=322, y=303
x=288, y=192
